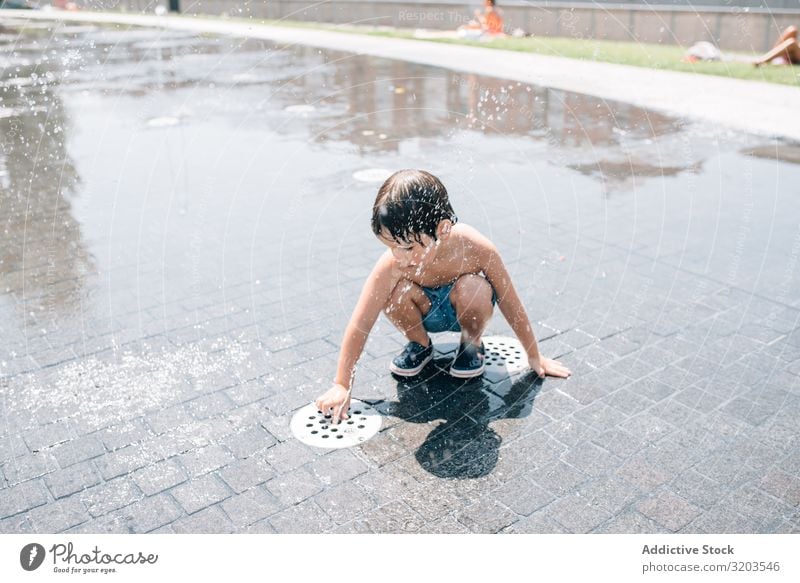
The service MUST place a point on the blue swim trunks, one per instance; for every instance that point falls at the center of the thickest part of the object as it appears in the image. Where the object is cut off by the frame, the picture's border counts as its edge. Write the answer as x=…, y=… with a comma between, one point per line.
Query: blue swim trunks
x=442, y=315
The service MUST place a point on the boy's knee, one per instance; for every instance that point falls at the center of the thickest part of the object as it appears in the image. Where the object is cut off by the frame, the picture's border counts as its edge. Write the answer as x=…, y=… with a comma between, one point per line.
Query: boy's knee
x=403, y=293
x=471, y=292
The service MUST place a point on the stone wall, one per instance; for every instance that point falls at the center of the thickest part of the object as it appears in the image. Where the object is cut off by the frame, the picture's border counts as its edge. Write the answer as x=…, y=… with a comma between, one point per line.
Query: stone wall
x=731, y=28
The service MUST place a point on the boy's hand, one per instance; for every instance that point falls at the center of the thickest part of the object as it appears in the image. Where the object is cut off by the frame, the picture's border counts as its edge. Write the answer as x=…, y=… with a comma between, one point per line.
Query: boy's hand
x=547, y=366
x=335, y=402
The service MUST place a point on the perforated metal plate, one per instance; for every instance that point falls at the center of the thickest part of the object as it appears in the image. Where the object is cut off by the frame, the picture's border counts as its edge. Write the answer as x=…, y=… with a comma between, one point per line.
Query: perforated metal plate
x=505, y=356
x=313, y=428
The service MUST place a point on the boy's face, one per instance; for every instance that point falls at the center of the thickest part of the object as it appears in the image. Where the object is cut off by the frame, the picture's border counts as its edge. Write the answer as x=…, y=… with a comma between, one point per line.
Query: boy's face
x=413, y=254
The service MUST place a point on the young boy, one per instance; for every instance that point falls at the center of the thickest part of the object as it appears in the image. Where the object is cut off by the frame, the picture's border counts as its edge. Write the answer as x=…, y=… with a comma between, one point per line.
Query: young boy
x=429, y=280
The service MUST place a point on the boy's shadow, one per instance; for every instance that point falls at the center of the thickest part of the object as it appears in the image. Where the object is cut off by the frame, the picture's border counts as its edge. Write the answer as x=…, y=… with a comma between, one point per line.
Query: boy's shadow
x=463, y=446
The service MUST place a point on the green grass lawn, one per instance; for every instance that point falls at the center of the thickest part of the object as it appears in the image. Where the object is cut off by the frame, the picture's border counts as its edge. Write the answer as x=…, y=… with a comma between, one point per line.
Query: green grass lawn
x=664, y=57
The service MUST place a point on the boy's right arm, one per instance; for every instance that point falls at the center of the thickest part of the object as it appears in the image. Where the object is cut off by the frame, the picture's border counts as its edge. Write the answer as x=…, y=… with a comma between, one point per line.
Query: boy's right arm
x=374, y=296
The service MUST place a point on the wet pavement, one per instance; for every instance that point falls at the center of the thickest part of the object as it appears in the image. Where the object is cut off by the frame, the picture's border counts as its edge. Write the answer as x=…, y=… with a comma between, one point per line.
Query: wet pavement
x=184, y=240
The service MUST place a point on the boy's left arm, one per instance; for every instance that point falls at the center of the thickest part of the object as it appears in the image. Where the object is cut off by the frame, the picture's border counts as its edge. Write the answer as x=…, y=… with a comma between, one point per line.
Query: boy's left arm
x=514, y=312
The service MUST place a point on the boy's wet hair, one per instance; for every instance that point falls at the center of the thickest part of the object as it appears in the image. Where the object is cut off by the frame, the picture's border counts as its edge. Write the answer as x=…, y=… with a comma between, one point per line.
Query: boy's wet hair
x=411, y=203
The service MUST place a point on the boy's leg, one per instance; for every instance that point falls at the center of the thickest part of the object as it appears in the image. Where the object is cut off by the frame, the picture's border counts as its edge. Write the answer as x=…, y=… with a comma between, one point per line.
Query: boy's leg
x=407, y=306
x=471, y=297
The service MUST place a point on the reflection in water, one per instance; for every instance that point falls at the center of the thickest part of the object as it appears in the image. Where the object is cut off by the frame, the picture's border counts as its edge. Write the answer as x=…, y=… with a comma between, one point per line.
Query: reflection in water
x=463, y=445
x=624, y=173
x=44, y=261
x=783, y=152
x=211, y=140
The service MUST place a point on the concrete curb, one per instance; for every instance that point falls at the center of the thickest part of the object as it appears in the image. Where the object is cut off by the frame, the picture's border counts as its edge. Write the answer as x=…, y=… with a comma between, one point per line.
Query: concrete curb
x=750, y=106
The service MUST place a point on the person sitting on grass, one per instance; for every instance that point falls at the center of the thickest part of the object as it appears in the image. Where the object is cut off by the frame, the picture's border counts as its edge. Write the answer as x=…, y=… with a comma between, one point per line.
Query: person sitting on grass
x=488, y=24
x=786, y=50
x=436, y=275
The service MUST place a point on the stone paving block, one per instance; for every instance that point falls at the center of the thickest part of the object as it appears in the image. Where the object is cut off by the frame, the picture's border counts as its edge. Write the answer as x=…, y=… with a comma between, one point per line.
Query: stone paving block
x=395, y=517
x=386, y=484
x=210, y=405
x=600, y=416
x=16, y=525
x=697, y=489
x=446, y=525
x=433, y=501
x=209, y=521
x=11, y=446
x=303, y=518
x=159, y=476
x=251, y=506
x=697, y=399
x=204, y=460
x=27, y=467
x=246, y=473
x=521, y=496
x=628, y=401
x=539, y=522
x=720, y=519
x=782, y=486
x=58, y=516
x=249, y=441
x=287, y=400
x=122, y=434
x=337, y=467
x=77, y=450
x=642, y=474
x=78, y=477
x=570, y=431
x=555, y=404
x=22, y=497
x=276, y=425
x=634, y=366
x=344, y=502
x=591, y=459
x=200, y=493
x=123, y=461
x=412, y=436
x=618, y=442
x=619, y=345
x=747, y=411
x=244, y=415
x=47, y=435
x=294, y=486
x=260, y=527
x=577, y=514
x=759, y=507
x=647, y=427
x=558, y=478
x=109, y=496
x=289, y=455
x=651, y=388
x=485, y=515
x=596, y=356
x=588, y=388
x=383, y=448
x=669, y=510
x=143, y=516
x=169, y=418
x=725, y=466
x=248, y=392
x=630, y=522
